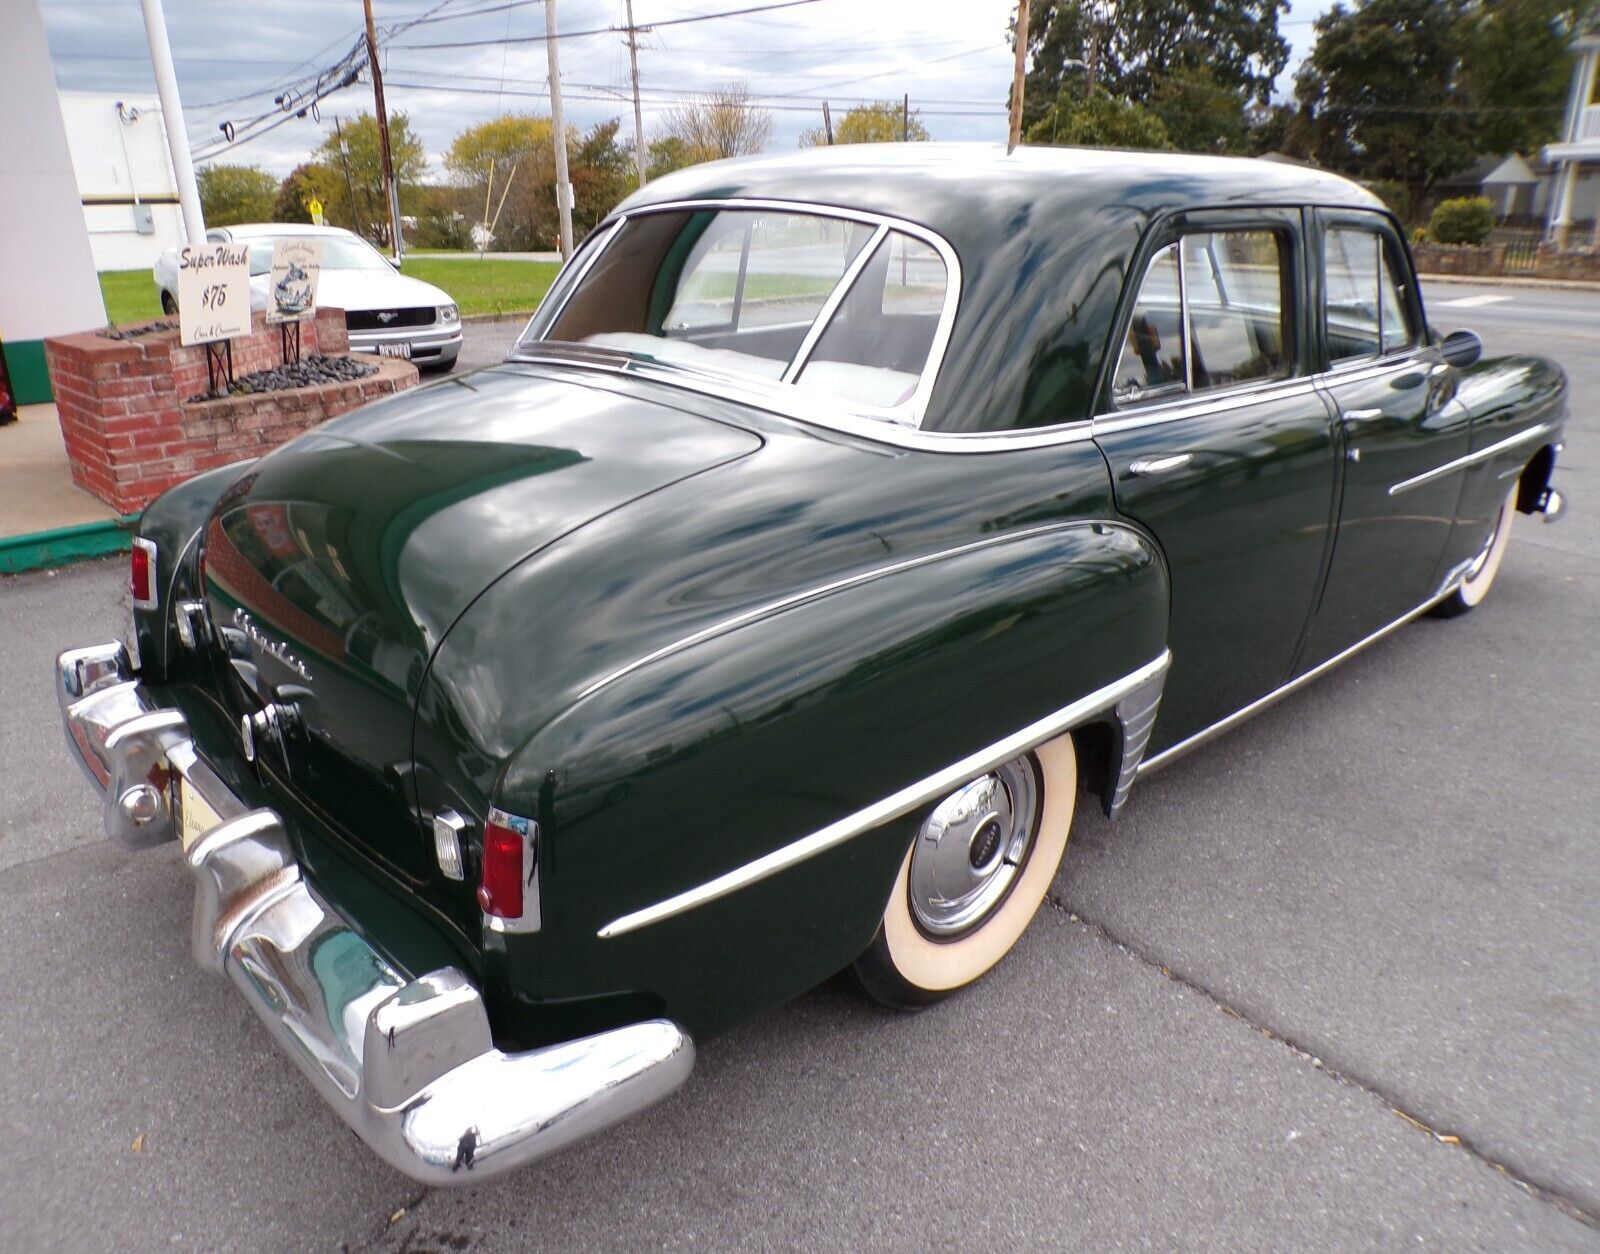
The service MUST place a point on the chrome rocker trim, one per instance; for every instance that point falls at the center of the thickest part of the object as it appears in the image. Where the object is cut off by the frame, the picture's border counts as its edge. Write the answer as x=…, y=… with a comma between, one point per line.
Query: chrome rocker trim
x=1131, y=691
x=409, y=1064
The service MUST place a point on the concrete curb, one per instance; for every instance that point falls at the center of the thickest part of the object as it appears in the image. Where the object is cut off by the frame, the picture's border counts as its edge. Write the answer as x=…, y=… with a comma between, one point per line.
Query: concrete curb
x=513, y=316
x=66, y=545
x=1512, y=280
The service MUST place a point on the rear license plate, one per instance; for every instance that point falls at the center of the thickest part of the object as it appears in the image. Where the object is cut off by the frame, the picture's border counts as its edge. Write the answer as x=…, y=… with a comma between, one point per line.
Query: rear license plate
x=395, y=350
x=195, y=815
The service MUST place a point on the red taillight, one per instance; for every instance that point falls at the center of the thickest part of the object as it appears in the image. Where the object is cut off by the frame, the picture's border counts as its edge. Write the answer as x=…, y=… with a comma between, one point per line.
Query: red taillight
x=500, y=891
x=142, y=574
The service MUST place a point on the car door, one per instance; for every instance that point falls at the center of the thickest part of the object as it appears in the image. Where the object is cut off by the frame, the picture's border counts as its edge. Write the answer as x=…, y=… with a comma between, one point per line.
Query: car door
x=1391, y=390
x=1219, y=443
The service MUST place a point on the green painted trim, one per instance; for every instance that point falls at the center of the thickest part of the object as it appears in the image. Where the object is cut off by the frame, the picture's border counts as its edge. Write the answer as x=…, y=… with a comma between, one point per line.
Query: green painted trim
x=30, y=378
x=66, y=545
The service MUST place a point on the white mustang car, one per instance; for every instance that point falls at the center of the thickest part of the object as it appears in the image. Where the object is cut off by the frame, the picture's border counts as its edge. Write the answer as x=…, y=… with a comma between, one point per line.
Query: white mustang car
x=388, y=313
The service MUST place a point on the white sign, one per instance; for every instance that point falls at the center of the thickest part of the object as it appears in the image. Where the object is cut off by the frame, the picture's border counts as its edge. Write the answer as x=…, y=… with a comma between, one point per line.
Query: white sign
x=213, y=293
x=296, y=264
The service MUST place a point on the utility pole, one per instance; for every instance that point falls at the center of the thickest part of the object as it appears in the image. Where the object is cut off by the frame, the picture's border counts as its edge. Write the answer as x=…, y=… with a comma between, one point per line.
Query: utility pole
x=1018, y=74
x=827, y=123
x=905, y=118
x=563, y=187
x=638, y=114
x=155, y=30
x=397, y=244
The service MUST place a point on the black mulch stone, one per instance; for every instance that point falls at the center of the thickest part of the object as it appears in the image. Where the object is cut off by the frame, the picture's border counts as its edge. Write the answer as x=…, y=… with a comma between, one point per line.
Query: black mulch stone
x=308, y=372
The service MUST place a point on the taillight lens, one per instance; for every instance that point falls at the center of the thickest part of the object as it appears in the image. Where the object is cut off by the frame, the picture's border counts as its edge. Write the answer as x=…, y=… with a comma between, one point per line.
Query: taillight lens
x=142, y=574
x=500, y=891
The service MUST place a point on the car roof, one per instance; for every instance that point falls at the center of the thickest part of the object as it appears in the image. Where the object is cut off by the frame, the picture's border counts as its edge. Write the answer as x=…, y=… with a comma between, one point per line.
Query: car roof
x=1045, y=238
x=267, y=230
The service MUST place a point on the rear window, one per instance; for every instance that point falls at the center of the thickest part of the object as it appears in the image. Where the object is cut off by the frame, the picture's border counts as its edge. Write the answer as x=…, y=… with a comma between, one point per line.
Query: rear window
x=832, y=306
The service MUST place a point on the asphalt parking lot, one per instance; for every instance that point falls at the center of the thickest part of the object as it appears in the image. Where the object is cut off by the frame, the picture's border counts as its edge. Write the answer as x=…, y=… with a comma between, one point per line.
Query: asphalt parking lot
x=1331, y=982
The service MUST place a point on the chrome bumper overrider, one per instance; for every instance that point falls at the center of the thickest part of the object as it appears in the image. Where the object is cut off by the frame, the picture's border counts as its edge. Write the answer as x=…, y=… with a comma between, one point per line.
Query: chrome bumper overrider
x=408, y=1063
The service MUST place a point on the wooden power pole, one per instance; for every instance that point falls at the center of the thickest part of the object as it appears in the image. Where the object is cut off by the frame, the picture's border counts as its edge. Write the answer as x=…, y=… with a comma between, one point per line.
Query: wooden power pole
x=397, y=244
x=1018, y=74
x=638, y=113
x=559, y=130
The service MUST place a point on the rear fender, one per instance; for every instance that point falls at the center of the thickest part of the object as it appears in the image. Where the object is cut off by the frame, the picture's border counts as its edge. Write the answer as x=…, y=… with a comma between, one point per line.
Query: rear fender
x=708, y=758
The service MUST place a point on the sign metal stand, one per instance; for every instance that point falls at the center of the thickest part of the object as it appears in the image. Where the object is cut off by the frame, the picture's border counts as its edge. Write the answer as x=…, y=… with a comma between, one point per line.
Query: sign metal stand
x=289, y=338
x=219, y=361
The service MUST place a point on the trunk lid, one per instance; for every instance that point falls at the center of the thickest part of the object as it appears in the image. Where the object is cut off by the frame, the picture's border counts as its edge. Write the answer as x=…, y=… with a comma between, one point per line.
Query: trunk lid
x=336, y=566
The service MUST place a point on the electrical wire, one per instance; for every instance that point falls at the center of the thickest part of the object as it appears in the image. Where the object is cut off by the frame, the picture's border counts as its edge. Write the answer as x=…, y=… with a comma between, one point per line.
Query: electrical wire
x=613, y=30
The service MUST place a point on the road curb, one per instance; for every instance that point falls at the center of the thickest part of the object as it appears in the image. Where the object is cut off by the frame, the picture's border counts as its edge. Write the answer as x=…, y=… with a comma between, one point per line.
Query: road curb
x=516, y=315
x=1512, y=280
x=65, y=546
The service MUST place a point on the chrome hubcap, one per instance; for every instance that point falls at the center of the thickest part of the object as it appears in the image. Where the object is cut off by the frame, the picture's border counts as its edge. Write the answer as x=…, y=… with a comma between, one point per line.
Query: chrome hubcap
x=972, y=847
x=1482, y=560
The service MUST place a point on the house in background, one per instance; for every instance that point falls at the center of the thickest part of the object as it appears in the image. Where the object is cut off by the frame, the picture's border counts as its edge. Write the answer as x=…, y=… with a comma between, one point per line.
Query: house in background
x=1576, y=156
x=125, y=179
x=1518, y=189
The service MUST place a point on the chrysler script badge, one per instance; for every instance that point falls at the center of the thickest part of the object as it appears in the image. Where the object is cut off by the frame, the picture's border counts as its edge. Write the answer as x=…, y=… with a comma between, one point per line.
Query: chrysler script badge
x=272, y=648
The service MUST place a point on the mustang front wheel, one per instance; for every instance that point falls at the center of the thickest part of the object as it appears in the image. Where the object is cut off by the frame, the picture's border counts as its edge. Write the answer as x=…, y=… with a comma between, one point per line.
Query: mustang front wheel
x=1480, y=575
x=973, y=878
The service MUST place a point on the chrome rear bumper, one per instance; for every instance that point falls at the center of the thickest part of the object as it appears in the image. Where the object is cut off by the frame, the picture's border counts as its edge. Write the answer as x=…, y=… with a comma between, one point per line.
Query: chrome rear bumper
x=408, y=1063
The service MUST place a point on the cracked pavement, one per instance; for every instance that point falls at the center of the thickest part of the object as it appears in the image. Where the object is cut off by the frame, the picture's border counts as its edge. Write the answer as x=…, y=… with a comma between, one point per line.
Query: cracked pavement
x=1331, y=981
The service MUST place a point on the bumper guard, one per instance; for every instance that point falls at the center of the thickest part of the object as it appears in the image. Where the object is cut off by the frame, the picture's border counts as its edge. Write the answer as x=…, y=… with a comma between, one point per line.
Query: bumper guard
x=408, y=1063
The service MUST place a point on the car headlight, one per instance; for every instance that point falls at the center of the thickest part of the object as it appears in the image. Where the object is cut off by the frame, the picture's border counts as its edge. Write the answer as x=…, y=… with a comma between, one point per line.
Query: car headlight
x=449, y=313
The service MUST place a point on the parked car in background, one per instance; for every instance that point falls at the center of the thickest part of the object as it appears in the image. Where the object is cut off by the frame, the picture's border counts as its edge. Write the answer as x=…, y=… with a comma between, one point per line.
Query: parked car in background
x=387, y=312
x=842, y=521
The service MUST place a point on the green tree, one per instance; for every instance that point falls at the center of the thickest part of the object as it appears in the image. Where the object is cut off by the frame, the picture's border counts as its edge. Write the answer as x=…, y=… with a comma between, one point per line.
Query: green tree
x=602, y=175
x=230, y=194
x=352, y=150
x=1201, y=114
x=1134, y=45
x=884, y=122
x=1515, y=69
x=1382, y=91
x=1100, y=121
x=666, y=154
x=307, y=182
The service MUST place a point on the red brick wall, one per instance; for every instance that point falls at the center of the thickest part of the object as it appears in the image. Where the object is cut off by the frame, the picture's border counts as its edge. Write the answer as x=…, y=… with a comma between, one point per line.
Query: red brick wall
x=132, y=431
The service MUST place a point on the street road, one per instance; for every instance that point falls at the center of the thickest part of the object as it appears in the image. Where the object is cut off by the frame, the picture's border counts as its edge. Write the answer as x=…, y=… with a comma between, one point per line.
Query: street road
x=1332, y=981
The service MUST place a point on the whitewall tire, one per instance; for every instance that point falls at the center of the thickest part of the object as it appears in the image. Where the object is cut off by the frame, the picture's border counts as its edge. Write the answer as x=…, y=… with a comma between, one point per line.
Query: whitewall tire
x=973, y=879
x=1480, y=575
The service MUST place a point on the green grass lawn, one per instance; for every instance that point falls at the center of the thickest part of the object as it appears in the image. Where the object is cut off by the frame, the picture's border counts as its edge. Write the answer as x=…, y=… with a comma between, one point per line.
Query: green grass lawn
x=130, y=295
x=488, y=286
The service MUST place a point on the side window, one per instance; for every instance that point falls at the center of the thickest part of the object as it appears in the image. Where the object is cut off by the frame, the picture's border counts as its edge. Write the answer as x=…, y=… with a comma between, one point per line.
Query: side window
x=877, y=343
x=1152, y=362
x=1364, y=303
x=1210, y=313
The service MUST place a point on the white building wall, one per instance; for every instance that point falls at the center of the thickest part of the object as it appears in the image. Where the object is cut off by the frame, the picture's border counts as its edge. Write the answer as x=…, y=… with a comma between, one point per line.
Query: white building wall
x=124, y=173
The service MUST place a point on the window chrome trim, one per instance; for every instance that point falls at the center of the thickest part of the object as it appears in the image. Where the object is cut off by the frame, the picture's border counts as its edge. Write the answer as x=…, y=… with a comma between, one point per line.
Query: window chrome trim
x=841, y=289
x=1470, y=459
x=912, y=413
x=895, y=805
x=1239, y=396
x=808, y=408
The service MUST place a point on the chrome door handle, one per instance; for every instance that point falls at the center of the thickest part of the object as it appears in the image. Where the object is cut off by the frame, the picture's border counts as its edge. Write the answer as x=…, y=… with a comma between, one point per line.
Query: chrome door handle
x=1360, y=415
x=1159, y=465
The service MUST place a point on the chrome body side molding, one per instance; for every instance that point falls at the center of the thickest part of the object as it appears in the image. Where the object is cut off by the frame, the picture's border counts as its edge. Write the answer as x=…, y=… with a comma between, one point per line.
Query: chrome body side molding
x=1136, y=716
x=1470, y=459
x=899, y=803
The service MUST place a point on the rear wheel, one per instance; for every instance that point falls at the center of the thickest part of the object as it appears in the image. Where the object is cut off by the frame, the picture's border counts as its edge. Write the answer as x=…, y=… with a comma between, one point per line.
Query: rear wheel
x=1480, y=575
x=973, y=878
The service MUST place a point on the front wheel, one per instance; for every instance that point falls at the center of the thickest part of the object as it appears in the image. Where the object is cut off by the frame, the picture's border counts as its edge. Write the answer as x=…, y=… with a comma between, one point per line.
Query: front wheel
x=1480, y=575
x=973, y=878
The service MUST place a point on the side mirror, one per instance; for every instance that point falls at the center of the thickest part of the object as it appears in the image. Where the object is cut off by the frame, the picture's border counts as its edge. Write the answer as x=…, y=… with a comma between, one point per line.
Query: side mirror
x=1461, y=348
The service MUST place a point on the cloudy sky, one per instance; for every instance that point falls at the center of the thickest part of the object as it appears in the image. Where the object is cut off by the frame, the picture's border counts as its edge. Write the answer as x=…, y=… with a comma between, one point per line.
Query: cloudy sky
x=234, y=56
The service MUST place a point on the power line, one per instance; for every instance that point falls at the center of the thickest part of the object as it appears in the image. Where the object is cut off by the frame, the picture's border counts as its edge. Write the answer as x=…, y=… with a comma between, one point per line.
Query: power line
x=614, y=30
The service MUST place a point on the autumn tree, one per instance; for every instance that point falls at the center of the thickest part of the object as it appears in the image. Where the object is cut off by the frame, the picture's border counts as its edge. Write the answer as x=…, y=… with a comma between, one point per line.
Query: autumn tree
x=352, y=152
x=666, y=154
x=883, y=122
x=231, y=194
x=722, y=123
x=310, y=181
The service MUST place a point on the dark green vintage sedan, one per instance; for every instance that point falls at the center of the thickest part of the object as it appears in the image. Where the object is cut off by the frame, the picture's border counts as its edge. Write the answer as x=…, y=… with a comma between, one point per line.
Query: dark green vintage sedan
x=841, y=522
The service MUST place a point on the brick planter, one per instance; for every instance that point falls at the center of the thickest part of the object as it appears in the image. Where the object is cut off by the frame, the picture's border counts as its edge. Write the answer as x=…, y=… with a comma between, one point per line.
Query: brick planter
x=1463, y=259
x=131, y=430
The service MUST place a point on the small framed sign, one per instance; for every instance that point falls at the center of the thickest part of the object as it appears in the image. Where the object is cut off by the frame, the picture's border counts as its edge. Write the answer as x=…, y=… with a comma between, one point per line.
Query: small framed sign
x=296, y=266
x=213, y=292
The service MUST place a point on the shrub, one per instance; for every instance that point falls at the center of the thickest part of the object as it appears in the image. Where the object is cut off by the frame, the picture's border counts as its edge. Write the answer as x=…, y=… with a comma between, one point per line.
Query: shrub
x=1464, y=220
